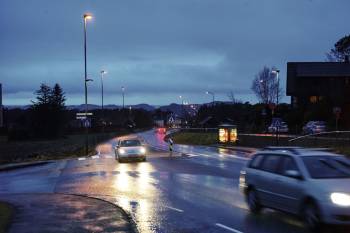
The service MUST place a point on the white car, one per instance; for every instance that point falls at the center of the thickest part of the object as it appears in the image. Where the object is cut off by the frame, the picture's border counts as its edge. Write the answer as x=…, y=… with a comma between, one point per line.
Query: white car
x=130, y=149
x=313, y=127
x=282, y=127
x=310, y=183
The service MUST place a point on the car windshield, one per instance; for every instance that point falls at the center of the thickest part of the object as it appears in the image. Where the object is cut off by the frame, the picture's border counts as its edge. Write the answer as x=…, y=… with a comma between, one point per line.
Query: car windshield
x=327, y=167
x=127, y=143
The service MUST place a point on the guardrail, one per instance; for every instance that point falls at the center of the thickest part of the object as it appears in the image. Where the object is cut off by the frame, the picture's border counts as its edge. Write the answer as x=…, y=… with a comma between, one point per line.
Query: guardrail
x=323, y=139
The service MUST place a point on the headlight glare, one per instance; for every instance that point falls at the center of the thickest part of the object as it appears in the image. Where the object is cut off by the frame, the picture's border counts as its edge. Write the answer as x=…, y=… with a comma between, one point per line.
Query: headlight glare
x=341, y=199
x=143, y=150
x=121, y=151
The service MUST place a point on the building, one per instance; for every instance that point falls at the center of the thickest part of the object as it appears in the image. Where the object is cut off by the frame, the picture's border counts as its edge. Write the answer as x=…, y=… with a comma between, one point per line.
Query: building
x=312, y=82
x=1, y=109
x=309, y=82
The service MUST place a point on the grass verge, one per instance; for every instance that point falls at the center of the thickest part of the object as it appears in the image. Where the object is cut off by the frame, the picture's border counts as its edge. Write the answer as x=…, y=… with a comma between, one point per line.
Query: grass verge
x=37, y=150
x=210, y=138
x=6, y=213
x=195, y=138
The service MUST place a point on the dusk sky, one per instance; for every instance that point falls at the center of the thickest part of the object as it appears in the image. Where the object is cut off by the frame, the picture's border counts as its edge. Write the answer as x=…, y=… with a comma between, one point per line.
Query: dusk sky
x=160, y=49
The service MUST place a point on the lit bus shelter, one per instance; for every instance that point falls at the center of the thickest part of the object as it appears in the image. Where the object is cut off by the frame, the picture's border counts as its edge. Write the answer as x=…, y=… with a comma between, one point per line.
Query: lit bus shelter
x=227, y=133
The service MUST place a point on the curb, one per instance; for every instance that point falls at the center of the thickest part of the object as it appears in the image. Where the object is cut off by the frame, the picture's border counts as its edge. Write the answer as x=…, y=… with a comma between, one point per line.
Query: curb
x=241, y=149
x=14, y=166
x=128, y=215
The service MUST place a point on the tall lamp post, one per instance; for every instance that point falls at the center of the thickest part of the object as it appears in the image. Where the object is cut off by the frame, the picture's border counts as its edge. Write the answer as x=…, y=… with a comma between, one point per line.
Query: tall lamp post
x=103, y=72
x=123, y=94
x=182, y=106
x=212, y=94
x=86, y=80
x=276, y=72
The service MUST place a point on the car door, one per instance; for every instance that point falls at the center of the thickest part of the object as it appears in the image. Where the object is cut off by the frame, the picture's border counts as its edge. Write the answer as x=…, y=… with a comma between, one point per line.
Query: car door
x=289, y=190
x=267, y=180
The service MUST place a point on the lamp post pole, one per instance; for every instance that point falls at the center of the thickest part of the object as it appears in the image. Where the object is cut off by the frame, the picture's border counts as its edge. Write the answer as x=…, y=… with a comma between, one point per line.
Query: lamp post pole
x=86, y=17
x=182, y=107
x=103, y=72
x=213, y=95
x=123, y=94
x=276, y=72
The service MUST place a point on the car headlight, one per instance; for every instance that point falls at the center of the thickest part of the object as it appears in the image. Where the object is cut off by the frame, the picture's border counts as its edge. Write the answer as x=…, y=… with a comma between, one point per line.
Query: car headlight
x=143, y=150
x=121, y=151
x=341, y=199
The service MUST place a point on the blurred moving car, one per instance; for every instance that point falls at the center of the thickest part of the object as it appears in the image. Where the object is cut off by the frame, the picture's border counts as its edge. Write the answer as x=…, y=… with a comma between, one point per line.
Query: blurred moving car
x=313, y=127
x=130, y=149
x=161, y=130
x=310, y=183
x=278, y=124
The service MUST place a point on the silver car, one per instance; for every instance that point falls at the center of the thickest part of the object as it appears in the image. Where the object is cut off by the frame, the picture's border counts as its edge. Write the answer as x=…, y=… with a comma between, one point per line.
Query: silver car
x=310, y=183
x=128, y=149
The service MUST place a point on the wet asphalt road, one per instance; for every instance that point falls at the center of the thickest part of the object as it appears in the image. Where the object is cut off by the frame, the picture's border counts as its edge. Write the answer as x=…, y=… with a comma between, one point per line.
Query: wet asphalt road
x=196, y=190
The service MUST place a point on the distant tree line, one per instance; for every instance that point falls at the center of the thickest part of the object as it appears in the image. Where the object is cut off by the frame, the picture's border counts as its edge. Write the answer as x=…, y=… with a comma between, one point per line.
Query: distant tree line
x=49, y=118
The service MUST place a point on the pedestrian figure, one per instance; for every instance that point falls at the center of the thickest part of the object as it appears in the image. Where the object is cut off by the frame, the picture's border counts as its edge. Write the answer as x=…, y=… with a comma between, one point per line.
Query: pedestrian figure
x=171, y=143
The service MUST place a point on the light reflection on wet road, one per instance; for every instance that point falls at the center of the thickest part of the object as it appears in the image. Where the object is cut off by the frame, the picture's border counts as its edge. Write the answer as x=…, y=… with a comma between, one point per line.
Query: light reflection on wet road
x=179, y=194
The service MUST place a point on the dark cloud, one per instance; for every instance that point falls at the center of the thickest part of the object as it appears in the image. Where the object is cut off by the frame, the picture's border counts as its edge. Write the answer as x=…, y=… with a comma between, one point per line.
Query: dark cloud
x=160, y=49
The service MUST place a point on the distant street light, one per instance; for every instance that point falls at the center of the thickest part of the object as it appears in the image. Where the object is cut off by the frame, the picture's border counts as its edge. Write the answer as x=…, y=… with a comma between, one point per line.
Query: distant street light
x=86, y=80
x=103, y=72
x=276, y=72
x=213, y=95
x=182, y=106
x=123, y=94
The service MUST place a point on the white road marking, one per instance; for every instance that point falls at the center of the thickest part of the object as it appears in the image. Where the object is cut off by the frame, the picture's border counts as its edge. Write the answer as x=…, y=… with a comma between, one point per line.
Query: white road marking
x=108, y=156
x=228, y=228
x=95, y=157
x=172, y=208
x=192, y=155
x=81, y=158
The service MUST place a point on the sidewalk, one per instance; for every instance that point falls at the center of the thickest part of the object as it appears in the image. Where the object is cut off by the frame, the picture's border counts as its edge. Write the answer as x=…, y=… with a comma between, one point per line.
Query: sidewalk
x=61, y=213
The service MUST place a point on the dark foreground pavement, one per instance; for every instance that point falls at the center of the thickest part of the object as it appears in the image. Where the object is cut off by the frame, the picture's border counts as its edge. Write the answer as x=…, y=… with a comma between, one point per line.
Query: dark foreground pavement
x=60, y=213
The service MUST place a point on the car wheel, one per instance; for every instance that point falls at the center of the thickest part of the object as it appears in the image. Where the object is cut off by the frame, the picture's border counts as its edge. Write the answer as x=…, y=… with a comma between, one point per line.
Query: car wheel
x=120, y=160
x=311, y=217
x=253, y=201
x=144, y=159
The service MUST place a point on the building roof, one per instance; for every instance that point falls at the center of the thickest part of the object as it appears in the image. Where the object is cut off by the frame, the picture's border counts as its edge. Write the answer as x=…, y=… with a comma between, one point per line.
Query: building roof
x=320, y=69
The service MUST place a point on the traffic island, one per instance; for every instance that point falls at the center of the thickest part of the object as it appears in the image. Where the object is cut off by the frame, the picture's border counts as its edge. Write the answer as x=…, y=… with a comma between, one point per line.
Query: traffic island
x=66, y=213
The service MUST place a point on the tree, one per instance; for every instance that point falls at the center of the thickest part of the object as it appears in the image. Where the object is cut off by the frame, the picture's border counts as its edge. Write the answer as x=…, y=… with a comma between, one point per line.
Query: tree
x=341, y=50
x=265, y=86
x=48, y=112
x=57, y=97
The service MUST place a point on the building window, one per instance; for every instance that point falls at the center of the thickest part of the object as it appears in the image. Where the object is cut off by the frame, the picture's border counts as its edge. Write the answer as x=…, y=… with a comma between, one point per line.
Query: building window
x=313, y=99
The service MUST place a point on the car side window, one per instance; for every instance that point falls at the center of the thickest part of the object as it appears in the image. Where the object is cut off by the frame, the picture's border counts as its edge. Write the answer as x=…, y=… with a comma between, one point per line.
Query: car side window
x=256, y=162
x=288, y=164
x=271, y=163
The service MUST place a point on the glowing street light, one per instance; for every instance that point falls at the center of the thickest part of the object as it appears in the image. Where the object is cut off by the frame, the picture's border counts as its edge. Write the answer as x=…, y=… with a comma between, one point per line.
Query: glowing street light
x=86, y=80
x=212, y=94
x=103, y=72
x=123, y=93
x=276, y=72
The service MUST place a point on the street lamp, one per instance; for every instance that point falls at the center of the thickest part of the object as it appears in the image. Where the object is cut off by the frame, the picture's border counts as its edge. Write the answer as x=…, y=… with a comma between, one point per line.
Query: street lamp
x=103, y=72
x=276, y=72
x=123, y=94
x=182, y=106
x=213, y=95
x=86, y=80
